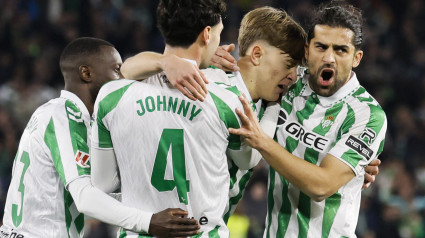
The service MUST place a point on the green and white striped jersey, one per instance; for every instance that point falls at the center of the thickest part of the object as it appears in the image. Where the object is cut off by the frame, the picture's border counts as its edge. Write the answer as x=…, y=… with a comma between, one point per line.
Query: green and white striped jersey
x=170, y=151
x=349, y=125
x=53, y=151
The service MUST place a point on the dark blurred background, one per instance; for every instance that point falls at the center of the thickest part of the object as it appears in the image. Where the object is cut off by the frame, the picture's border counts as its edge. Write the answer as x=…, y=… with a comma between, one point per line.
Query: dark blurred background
x=33, y=33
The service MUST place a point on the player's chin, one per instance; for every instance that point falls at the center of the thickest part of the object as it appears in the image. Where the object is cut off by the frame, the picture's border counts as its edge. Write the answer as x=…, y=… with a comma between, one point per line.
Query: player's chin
x=273, y=97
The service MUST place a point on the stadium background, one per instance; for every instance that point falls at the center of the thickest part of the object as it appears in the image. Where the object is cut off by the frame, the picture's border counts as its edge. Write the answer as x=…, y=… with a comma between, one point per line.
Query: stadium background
x=33, y=33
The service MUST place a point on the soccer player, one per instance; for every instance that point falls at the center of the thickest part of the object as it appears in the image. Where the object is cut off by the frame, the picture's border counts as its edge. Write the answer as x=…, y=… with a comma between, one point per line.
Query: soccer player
x=171, y=151
x=267, y=67
x=330, y=128
x=51, y=188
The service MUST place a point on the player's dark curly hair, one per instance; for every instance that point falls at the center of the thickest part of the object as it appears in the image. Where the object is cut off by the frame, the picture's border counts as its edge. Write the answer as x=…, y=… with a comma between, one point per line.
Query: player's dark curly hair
x=181, y=21
x=338, y=13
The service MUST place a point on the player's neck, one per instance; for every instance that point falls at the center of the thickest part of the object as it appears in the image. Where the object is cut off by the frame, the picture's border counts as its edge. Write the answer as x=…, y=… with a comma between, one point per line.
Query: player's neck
x=83, y=94
x=192, y=52
x=249, y=77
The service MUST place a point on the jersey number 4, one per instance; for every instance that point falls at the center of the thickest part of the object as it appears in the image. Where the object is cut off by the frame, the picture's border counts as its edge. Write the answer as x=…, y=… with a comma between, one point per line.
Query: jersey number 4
x=174, y=139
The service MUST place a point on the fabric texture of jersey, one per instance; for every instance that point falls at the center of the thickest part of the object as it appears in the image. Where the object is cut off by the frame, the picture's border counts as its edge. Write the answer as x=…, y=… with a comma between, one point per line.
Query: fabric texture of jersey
x=349, y=125
x=239, y=178
x=53, y=151
x=182, y=157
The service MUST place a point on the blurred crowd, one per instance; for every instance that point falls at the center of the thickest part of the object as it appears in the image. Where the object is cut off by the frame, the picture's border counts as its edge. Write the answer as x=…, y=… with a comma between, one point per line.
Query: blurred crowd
x=33, y=33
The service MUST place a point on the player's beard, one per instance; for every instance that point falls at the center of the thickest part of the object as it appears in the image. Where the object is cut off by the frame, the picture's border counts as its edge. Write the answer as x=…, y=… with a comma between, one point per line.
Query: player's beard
x=325, y=91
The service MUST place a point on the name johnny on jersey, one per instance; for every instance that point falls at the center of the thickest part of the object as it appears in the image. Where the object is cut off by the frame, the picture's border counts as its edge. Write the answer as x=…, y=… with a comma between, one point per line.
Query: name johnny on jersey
x=170, y=104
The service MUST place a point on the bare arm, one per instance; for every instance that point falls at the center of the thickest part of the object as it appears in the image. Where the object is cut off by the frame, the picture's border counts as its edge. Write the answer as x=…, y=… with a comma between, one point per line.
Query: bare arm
x=318, y=182
x=183, y=75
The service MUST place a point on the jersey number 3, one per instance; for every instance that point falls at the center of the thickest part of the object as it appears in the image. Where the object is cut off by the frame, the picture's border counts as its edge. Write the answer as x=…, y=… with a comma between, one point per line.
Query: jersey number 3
x=17, y=218
x=174, y=139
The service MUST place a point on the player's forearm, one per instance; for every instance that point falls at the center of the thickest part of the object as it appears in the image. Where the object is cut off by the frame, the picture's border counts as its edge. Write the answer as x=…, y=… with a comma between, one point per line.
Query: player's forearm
x=97, y=204
x=142, y=65
x=311, y=179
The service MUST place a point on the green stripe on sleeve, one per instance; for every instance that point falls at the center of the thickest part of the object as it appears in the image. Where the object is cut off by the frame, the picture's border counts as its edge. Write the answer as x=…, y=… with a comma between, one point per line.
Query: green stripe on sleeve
x=52, y=144
x=67, y=204
x=78, y=133
x=79, y=223
x=332, y=204
x=375, y=123
x=230, y=120
x=105, y=106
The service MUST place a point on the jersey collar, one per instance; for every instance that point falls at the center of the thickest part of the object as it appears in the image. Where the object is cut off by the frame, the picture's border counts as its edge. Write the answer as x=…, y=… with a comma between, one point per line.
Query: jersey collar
x=344, y=91
x=76, y=100
x=240, y=84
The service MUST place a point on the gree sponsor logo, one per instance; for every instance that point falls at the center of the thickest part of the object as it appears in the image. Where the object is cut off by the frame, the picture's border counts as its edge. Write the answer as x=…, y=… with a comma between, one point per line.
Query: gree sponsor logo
x=298, y=132
x=308, y=138
x=82, y=159
x=359, y=146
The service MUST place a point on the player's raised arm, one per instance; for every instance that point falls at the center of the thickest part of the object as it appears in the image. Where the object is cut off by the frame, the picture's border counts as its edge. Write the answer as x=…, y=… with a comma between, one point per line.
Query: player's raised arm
x=183, y=75
x=318, y=182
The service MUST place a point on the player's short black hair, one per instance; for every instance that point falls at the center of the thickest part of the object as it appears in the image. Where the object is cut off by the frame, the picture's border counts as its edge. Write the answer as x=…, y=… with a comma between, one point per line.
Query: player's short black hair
x=338, y=13
x=82, y=47
x=181, y=21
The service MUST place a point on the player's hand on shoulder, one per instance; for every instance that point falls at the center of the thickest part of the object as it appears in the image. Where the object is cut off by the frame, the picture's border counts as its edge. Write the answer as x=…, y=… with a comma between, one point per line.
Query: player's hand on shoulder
x=185, y=76
x=224, y=60
x=372, y=170
x=173, y=222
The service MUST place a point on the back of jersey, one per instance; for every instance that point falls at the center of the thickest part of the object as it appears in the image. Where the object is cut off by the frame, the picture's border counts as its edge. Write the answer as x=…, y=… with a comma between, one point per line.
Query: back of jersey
x=170, y=150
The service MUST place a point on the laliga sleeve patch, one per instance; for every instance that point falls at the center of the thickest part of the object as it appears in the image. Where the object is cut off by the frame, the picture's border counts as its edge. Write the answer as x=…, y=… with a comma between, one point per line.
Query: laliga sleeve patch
x=82, y=159
x=359, y=146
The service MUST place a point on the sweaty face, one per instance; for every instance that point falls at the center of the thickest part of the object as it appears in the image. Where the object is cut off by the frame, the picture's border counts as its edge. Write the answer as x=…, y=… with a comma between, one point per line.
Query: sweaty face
x=331, y=56
x=106, y=67
x=276, y=77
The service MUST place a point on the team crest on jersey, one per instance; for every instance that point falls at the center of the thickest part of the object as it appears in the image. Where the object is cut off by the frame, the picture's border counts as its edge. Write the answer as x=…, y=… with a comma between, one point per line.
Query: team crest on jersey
x=82, y=159
x=290, y=95
x=369, y=134
x=328, y=121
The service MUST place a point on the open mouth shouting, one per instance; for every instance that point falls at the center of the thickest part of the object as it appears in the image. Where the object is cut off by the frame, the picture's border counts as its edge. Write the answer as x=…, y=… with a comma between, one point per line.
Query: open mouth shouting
x=326, y=77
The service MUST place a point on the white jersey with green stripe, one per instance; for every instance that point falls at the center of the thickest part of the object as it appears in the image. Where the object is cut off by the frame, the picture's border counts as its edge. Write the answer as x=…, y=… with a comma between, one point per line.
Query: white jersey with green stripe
x=170, y=151
x=53, y=151
x=239, y=178
x=349, y=125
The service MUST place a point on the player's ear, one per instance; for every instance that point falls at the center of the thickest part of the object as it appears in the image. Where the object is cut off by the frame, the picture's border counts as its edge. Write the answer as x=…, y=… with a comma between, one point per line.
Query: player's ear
x=256, y=54
x=358, y=55
x=306, y=51
x=206, y=35
x=85, y=74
